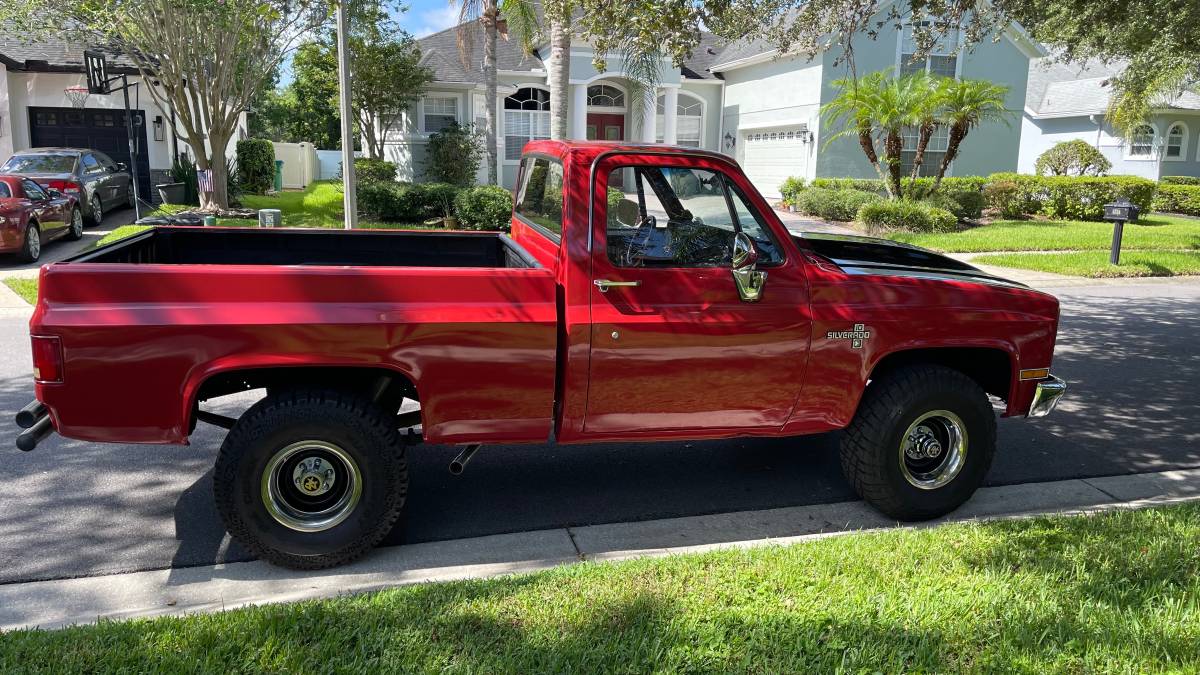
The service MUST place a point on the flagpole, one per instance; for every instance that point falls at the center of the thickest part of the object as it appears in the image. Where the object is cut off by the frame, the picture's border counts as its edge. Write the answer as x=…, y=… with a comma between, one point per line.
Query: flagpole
x=350, y=199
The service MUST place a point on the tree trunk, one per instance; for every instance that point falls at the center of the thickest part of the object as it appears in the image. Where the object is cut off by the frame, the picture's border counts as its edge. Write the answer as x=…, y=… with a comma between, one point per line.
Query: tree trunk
x=892, y=145
x=957, y=133
x=924, y=135
x=560, y=76
x=490, y=15
x=374, y=141
x=219, y=198
x=868, y=148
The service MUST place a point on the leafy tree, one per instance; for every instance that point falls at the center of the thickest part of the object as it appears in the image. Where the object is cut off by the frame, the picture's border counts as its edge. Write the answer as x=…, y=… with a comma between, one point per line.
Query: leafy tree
x=1072, y=158
x=453, y=155
x=313, y=92
x=966, y=105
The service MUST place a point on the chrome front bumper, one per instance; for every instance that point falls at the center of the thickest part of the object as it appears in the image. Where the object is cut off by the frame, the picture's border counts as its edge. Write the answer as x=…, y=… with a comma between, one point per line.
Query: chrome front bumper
x=1049, y=391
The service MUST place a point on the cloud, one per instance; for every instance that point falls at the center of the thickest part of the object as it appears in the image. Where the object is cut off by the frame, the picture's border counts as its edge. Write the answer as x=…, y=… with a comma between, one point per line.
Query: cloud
x=440, y=17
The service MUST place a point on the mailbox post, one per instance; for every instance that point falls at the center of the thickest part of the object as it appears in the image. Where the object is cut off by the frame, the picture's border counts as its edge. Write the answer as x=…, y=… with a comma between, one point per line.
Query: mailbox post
x=1119, y=212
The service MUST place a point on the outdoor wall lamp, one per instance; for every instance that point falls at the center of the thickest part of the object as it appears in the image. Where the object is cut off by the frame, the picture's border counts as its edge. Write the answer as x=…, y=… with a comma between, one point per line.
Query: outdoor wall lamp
x=730, y=141
x=158, y=128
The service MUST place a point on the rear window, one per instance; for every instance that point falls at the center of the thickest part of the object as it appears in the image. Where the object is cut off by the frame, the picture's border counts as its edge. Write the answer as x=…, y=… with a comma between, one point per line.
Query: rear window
x=40, y=164
x=540, y=197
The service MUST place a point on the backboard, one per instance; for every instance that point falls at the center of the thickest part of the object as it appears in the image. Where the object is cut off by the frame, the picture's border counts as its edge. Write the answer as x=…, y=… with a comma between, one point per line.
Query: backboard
x=96, y=65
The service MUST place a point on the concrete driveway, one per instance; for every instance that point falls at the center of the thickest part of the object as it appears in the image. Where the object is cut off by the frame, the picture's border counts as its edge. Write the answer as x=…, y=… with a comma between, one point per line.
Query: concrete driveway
x=58, y=250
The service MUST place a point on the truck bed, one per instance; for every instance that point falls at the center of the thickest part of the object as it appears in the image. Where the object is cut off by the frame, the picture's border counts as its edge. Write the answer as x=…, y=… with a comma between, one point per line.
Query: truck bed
x=369, y=248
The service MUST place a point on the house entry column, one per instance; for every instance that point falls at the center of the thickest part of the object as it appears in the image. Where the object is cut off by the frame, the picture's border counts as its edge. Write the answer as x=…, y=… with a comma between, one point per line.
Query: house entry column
x=649, y=113
x=579, y=112
x=670, y=106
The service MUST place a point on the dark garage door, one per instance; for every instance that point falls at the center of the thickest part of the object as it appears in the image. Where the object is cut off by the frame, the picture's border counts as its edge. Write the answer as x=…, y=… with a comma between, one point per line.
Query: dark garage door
x=102, y=130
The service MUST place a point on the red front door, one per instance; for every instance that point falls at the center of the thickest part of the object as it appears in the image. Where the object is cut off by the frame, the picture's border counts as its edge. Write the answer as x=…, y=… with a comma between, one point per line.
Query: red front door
x=605, y=127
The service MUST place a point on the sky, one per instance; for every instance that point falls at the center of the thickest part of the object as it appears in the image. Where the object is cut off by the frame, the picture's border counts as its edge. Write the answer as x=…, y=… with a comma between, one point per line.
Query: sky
x=422, y=18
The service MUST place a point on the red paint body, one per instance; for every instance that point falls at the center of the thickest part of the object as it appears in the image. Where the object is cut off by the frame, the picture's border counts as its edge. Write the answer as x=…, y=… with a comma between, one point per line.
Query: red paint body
x=17, y=210
x=487, y=348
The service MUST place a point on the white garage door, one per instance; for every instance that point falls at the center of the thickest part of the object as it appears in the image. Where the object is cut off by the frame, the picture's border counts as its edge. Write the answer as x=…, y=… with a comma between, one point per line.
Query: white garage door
x=771, y=155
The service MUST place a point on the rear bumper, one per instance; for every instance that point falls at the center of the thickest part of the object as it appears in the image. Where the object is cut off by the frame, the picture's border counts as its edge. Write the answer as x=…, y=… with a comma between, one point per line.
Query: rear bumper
x=1046, y=396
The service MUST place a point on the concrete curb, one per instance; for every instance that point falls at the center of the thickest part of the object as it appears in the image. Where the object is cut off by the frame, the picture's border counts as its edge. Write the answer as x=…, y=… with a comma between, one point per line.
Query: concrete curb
x=56, y=603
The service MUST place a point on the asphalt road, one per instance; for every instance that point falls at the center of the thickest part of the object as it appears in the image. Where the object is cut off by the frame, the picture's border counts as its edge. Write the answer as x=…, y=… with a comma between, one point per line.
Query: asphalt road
x=71, y=508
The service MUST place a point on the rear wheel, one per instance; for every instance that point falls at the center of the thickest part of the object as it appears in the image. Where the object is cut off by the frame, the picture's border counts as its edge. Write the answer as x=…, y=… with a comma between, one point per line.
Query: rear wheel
x=921, y=442
x=31, y=249
x=75, y=231
x=97, y=209
x=309, y=479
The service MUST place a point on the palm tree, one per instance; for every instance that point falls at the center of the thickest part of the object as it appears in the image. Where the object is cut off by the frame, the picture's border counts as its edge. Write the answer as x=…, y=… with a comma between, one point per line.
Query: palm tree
x=967, y=104
x=487, y=14
x=927, y=116
x=522, y=19
x=852, y=109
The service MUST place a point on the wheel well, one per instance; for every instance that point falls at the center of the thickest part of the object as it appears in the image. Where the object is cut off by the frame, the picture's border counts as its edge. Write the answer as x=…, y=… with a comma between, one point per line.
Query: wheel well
x=384, y=385
x=990, y=368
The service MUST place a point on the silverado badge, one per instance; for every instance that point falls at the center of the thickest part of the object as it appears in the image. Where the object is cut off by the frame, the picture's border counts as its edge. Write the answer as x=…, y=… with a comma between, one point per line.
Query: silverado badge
x=855, y=336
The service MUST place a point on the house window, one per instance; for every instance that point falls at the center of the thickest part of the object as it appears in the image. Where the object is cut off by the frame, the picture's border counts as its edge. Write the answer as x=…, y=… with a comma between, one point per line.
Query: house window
x=526, y=118
x=1176, y=142
x=935, y=152
x=605, y=96
x=689, y=120
x=439, y=112
x=1141, y=142
x=941, y=59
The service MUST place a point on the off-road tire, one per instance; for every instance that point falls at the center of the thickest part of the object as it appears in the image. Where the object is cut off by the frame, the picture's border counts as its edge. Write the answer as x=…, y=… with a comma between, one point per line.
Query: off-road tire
x=349, y=421
x=870, y=449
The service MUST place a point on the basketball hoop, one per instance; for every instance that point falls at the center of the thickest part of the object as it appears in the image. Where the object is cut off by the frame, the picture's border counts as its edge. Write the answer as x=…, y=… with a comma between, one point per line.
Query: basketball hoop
x=78, y=96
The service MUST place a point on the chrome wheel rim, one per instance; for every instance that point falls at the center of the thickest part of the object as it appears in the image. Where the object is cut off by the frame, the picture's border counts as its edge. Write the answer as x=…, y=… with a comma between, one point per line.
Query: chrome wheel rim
x=76, y=222
x=311, y=486
x=97, y=212
x=35, y=242
x=933, y=449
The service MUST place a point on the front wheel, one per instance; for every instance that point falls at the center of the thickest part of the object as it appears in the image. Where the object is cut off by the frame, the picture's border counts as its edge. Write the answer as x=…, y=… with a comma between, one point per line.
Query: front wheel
x=75, y=233
x=310, y=479
x=921, y=442
x=97, y=209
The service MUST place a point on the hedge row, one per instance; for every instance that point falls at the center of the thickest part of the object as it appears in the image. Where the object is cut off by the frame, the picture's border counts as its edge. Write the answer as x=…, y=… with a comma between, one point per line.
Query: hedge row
x=483, y=207
x=1178, y=198
x=833, y=204
x=917, y=189
x=1065, y=197
x=1180, y=180
x=905, y=214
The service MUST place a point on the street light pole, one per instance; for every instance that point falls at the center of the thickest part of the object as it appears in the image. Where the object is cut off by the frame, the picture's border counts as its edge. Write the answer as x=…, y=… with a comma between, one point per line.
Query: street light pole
x=350, y=199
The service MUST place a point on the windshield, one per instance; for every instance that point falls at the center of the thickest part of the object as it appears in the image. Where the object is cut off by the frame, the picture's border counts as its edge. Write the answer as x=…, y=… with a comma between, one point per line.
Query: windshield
x=40, y=164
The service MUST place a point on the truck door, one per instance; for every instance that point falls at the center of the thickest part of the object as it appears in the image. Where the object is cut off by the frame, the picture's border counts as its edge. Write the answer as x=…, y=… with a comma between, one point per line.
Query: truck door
x=674, y=345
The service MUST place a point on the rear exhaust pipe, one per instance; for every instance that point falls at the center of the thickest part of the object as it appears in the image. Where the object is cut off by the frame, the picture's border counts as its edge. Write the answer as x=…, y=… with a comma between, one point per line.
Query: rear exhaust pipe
x=29, y=439
x=30, y=414
x=459, y=463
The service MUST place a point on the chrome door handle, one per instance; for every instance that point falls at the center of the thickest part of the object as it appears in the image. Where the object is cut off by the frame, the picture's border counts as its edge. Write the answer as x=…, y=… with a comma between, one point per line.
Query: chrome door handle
x=605, y=284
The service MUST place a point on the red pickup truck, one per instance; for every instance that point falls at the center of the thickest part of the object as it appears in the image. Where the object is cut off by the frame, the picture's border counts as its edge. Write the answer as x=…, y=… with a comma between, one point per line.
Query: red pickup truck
x=645, y=293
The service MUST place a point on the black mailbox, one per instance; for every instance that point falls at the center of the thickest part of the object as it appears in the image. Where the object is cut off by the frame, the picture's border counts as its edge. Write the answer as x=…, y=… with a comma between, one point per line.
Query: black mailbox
x=1120, y=212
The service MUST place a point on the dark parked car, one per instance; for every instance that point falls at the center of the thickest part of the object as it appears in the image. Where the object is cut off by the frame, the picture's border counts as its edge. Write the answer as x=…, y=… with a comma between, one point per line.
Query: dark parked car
x=31, y=215
x=95, y=181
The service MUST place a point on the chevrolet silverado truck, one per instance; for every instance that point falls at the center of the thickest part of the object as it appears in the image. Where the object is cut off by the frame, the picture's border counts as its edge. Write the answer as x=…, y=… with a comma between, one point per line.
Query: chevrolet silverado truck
x=645, y=293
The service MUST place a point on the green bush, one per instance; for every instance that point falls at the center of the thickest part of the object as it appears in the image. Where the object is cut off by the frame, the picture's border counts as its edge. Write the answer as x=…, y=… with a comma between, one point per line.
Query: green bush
x=438, y=198
x=1066, y=197
x=1072, y=158
x=1180, y=180
x=834, y=204
x=1004, y=195
x=905, y=214
x=922, y=186
x=392, y=202
x=368, y=170
x=945, y=202
x=1178, y=198
x=485, y=207
x=791, y=188
x=256, y=165
x=453, y=155
x=970, y=202
x=861, y=184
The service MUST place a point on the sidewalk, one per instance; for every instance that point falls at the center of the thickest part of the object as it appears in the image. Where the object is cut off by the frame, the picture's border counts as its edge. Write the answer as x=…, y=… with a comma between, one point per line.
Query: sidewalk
x=51, y=604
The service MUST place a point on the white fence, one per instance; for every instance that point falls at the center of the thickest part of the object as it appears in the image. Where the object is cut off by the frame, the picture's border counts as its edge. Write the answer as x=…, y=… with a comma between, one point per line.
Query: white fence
x=331, y=163
x=300, y=164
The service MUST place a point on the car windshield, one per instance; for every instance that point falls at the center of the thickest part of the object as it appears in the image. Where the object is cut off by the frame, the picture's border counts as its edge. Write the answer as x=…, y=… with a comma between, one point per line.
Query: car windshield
x=40, y=164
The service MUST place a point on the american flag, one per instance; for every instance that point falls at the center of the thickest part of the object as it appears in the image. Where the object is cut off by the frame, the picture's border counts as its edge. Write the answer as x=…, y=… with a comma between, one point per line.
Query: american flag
x=204, y=178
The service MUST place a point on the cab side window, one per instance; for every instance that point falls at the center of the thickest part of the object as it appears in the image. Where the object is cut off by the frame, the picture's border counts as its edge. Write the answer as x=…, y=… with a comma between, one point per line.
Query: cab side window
x=540, y=196
x=680, y=217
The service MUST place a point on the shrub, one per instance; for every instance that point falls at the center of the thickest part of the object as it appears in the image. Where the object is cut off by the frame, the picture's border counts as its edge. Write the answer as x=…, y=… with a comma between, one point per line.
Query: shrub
x=791, y=188
x=834, y=204
x=256, y=165
x=1004, y=195
x=1067, y=197
x=393, y=202
x=943, y=201
x=905, y=214
x=1072, y=158
x=368, y=170
x=1180, y=180
x=484, y=207
x=1178, y=198
x=453, y=155
x=861, y=184
x=438, y=198
x=922, y=186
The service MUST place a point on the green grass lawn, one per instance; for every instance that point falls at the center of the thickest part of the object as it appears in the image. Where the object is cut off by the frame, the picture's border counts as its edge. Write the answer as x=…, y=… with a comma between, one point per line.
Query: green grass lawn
x=1155, y=231
x=1117, y=592
x=26, y=288
x=1095, y=263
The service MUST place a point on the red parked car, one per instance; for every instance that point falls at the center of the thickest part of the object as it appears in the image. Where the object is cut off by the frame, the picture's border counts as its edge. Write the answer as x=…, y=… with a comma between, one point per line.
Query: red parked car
x=31, y=215
x=645, y=293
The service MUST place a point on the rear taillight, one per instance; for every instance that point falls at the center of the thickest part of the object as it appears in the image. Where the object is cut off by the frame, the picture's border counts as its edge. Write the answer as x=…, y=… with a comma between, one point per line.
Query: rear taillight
x=69, y=187
x=47, y=359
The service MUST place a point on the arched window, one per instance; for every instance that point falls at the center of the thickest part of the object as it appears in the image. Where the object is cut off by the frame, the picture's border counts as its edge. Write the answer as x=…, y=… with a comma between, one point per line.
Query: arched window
x=526, y=118
x=689, y=119
x=605, y=96
x=1176, y=145
x=1141, y=142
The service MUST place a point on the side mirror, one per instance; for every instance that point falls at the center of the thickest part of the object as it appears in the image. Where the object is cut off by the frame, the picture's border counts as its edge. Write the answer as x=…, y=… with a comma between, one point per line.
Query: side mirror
x=121, y=166
x=749, y=281
x=54, y=194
